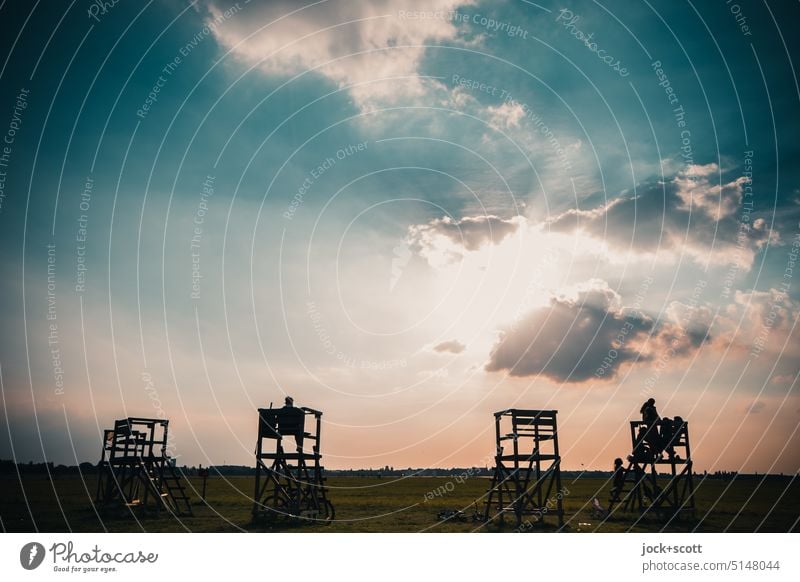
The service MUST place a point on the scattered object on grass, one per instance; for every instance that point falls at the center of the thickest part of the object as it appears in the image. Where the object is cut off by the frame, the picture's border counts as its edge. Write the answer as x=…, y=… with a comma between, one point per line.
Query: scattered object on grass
x=451, y=515
x=598, y=511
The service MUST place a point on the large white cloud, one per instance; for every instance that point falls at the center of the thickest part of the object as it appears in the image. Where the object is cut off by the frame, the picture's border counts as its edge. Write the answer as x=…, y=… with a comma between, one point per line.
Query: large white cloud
x=350, y=42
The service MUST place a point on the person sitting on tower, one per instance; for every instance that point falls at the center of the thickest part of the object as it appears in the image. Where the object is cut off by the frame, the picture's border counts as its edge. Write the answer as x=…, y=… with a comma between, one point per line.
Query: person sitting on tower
x=666, y=436
x=678, y=425
x=291, y=421
x=642, y=453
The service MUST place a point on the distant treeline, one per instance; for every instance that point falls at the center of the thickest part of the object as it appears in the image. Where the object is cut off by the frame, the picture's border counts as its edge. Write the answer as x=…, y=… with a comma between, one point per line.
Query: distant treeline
x=31, y=468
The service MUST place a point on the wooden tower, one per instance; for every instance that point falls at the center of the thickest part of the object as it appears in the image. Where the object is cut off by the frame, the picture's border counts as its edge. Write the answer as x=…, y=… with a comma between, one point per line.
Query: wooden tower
x=135, y=470
x=669, y=493
x=290, y=483
x=527, y=476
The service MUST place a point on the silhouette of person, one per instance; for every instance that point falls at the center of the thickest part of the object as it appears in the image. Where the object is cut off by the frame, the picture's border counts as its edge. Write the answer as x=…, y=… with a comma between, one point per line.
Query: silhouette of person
x=666, y=435
x=642, y=453
x=649, y=412
x=291, y=421
x=651, y=419
x=675, y=435
x=618, y=479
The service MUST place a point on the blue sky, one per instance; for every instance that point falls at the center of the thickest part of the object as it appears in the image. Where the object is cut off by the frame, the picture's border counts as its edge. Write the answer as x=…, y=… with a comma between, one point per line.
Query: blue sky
x=405, y=214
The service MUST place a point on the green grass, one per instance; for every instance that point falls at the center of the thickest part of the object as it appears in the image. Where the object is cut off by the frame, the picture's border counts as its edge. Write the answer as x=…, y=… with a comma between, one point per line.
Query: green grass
x=392, y=505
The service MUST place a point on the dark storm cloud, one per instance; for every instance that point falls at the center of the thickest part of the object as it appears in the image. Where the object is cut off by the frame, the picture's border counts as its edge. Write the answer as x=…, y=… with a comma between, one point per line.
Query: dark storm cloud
x=588, y=336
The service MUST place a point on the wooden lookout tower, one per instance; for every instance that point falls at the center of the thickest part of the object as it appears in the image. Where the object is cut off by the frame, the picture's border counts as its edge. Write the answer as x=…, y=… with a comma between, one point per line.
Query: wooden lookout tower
x=135, y=470
x=289, y=478
x=658, y=477
x=527, y=475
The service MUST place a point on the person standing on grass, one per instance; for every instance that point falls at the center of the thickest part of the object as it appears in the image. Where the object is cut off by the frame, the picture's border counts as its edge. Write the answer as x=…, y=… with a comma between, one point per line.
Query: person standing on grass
x=617, y=479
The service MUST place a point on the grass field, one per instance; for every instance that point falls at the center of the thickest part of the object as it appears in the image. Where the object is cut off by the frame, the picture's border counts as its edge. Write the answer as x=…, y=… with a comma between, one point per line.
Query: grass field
x=395, y=505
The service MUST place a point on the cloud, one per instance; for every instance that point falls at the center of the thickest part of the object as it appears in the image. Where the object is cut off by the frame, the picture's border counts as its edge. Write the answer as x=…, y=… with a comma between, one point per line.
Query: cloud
x=782, y=379
x=444, y=240
x=716, y=201
x=754, y=407
x=588, y=335
x=688, y=214
x=285, y=39
x=760, y=321
x=772, y=309
x=507, y=115
x=686, y=329
x=452, y=346
x=702, y=170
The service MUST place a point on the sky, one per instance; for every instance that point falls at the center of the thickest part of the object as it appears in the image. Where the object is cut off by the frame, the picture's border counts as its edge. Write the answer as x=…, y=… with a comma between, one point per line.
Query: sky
x=406, y=214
